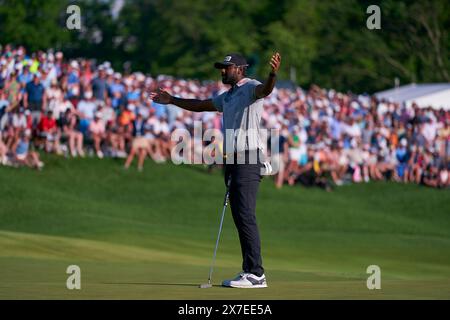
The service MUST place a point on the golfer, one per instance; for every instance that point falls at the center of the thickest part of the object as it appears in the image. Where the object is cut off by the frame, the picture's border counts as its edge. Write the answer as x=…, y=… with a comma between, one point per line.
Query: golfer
x=242, y=107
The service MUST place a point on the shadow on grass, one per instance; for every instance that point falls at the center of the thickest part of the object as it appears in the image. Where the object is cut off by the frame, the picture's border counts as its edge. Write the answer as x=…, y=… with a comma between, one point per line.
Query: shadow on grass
x=158, y=284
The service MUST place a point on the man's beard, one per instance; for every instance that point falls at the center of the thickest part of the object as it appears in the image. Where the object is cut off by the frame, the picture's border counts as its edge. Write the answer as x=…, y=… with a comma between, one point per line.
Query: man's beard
x=228, y=80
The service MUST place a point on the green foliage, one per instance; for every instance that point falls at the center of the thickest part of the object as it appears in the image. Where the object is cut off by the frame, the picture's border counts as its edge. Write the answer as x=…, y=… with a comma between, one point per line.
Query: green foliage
x=325, y=42
x=130, y=231
x=35, y=23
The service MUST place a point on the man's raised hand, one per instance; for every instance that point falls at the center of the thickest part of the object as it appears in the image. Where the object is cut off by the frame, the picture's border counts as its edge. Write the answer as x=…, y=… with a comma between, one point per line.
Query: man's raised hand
x=161, y=96
x=275, y=62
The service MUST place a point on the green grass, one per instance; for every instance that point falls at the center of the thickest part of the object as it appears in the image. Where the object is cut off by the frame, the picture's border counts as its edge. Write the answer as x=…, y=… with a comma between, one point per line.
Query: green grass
x=151, y=235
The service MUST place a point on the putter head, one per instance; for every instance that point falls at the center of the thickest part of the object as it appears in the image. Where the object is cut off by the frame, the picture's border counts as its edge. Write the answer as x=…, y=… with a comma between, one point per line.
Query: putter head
x=205, y=286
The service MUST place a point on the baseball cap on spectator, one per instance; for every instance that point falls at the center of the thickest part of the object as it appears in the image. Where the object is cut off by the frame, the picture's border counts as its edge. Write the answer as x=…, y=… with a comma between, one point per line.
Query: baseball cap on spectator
x=110, y=72
x=403, y=142
x=148, y=81
x=140, y=77
x=231, y=59
x=74, y=64
x=128, y=81
x=117, y=76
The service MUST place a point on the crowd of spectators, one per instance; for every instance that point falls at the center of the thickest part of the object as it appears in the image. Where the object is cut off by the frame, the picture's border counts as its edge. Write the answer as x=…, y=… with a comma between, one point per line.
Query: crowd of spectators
x=78, y=108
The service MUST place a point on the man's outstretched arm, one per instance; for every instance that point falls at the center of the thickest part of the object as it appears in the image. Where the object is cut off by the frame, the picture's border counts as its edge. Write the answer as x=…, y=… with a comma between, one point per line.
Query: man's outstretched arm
x=263, y=90
x=163, y=97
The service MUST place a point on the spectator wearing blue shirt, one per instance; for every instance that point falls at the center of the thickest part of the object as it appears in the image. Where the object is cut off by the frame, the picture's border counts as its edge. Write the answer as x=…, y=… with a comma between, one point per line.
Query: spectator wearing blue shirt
x=26, y=76
x=336, y=127
x=116, y=91
x=73, y=81
x=133, y=95
x=99, y=85
x=86, y=110
x=35, y=98
x=402, y=154
x=160, y=109
x=73, y=77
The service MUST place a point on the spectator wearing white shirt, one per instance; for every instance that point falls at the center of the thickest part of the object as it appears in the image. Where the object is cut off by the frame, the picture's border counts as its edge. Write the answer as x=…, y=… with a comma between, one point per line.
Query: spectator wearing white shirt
x=86, y=110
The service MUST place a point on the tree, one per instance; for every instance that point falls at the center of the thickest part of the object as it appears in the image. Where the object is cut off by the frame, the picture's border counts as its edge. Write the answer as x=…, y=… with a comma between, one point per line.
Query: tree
x=34, y=23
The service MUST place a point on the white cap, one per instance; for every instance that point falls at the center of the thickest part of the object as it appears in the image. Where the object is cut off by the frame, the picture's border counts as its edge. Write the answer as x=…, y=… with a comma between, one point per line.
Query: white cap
x=117, y=75
x=403, y=142
x=148, y=81
x=140, y=77
x=128, y=81
x=74, y=64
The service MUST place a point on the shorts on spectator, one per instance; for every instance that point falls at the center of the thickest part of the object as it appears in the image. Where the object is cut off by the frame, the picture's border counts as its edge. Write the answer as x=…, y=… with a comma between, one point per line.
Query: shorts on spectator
x=48, y=136
x=294, y=154
x=140, y=143
x=22, y=156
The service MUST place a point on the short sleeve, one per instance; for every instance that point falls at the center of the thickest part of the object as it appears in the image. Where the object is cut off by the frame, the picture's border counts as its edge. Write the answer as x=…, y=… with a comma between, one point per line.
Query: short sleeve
x=218, y=102
x=251, y=86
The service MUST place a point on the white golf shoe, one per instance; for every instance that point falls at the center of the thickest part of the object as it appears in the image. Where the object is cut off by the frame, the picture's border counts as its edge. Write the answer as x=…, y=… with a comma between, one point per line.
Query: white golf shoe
x=246, y=280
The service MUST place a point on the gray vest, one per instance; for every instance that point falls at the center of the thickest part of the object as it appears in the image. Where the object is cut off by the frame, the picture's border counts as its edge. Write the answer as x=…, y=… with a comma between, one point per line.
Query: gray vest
x=241, y=117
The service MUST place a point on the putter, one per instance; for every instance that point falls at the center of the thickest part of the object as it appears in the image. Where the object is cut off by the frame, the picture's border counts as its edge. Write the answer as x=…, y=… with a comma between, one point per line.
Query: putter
x=225, y=203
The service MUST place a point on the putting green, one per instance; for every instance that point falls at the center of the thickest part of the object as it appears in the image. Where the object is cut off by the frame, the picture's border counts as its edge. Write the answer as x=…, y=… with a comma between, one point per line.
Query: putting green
x=151, y=235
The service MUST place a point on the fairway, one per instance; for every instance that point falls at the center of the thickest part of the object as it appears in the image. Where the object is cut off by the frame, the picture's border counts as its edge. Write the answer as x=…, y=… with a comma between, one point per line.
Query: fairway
x=151, y=235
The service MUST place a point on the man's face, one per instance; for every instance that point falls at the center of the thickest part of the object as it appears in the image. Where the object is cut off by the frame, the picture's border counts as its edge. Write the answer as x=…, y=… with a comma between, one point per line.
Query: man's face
x=230, y=74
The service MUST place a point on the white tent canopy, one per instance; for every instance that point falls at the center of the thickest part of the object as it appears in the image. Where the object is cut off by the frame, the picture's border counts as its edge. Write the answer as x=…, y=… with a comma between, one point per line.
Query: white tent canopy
x=436, y=95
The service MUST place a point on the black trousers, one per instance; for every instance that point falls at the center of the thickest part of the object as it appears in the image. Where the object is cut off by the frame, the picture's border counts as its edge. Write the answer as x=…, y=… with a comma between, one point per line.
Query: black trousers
x=245, y=179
